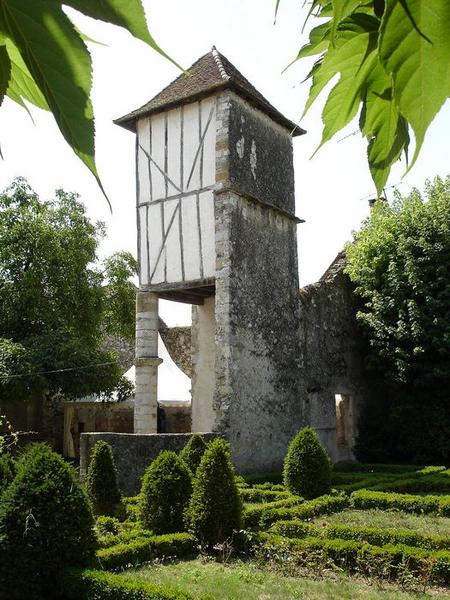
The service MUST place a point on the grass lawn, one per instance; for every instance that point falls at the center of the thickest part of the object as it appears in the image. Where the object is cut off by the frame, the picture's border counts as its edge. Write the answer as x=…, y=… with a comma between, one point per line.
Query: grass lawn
x=425, y=524
x=247, y=581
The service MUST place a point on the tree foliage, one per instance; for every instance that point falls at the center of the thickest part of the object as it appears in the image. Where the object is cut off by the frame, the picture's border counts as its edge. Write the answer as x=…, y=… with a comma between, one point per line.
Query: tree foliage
x=44, y=60
x=400, y=264
x=392, y=61
x=307, y=466
x=55, y=307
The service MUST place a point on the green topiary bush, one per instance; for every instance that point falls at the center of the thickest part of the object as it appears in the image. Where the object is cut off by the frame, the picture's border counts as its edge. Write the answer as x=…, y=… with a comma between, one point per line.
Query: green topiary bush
x=307, y=467
x=193, y=451
x=46, y=525
x=165, y=493
x=215, y=509
x=7, y=471
x=101, y=480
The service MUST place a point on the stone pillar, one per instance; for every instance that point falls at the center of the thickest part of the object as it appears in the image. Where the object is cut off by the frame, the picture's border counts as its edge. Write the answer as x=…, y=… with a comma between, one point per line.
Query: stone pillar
x=147, y=362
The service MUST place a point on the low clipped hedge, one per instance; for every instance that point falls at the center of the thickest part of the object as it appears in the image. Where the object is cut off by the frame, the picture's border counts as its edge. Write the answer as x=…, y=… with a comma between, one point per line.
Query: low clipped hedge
x=123, y=537
x=324, y=505
x=435, y=482
x=274, y=477
x=352, y=554
x=380, y=537
x=367, y=499
x=254, y=516
x=257, y=494
x=144, y=549
x=98, y=585
x=372, y=535
x=294, y=508
x=356, y=467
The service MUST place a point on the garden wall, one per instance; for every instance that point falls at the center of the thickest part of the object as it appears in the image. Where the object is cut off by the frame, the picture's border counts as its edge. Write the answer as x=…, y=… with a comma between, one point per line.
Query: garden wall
x=133, y=453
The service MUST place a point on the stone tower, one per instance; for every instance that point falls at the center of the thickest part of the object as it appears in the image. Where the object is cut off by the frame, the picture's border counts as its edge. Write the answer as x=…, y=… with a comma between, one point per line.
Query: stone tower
x=217, y=229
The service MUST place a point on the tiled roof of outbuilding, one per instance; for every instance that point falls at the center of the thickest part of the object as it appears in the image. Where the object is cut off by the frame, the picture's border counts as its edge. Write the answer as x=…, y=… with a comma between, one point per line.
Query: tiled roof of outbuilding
x=211, y=72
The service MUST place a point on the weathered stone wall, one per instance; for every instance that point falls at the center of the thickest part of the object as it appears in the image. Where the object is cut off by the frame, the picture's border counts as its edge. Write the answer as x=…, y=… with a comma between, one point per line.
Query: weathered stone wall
x=257, y=397
x=132, y=453
x=260, y=155
x=203, y=358
x=332, y=353
x=174, y=417
x=177, y=341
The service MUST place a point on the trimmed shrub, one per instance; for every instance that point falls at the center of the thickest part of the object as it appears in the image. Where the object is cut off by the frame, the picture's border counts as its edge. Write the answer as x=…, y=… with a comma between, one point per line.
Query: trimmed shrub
x=46, y=524
x=107, y=526
x=123, y=537
x=165, y=493
x=193, y=451
x=98, y=585
x=101, y=480
x=144, y=549
x=307, y=467
x=215, y=509
x=7, y=471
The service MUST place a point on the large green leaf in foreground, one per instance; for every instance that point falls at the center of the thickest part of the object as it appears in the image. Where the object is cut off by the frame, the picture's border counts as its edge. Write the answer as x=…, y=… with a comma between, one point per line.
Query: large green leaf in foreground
x=44, y=60
x=393, y=62
x=415, y=49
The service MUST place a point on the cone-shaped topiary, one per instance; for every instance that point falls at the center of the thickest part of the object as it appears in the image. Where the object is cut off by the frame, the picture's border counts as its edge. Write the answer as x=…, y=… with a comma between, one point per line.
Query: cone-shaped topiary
x=215, y=509
x=101, y=480
x=7, y=470
x=193, y=451
x=165, y=493
x=46, y=525
x=307, y=467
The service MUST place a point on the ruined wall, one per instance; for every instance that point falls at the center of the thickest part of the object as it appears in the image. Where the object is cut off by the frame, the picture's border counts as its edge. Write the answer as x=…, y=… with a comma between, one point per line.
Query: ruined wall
x=331, y=354
x=132, y=453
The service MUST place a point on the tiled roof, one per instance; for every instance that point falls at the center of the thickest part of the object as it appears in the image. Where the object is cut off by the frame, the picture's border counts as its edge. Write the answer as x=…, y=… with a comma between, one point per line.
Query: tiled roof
x=211, y=72
x=336, y=267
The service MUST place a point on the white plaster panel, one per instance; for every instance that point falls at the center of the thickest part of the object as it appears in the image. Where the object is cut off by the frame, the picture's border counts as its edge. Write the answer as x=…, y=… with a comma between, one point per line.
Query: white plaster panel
x=191, y=238
x=158, y=150
x=191, y=141
x=173, y=247
x=157, y=258
x=174, y=150
x=206, y=206
x=143, y=252
x=209, y=144
x=143, y=134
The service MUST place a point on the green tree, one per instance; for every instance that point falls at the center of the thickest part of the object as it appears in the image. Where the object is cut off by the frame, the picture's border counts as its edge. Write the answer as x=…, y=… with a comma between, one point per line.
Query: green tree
x=400, y=265
x=307, y=466
x=392, y=61
x=46, y=525
x=215, y=508
x=101, y=479
x=44, y=60
x=165, y=493
x=55, y=307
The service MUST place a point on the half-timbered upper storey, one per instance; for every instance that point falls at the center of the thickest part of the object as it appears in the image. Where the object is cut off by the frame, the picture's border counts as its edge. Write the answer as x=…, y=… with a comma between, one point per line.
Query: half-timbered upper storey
x=176, y=170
